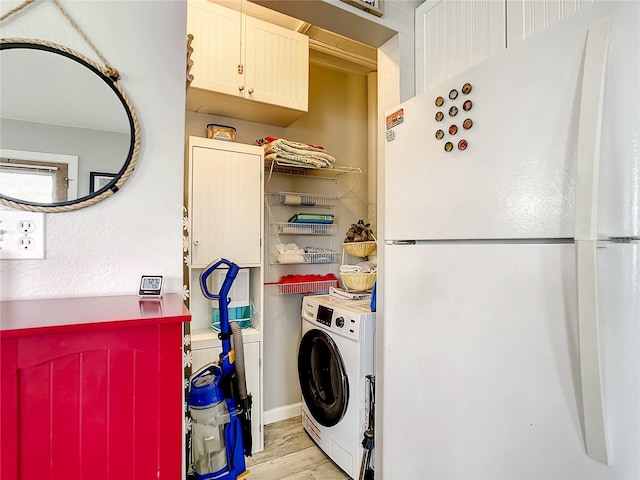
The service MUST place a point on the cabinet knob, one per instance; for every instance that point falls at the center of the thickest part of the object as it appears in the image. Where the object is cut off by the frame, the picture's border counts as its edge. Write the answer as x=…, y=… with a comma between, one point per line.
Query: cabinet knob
x=241, y=88
x=196, y=242
x=251, y=91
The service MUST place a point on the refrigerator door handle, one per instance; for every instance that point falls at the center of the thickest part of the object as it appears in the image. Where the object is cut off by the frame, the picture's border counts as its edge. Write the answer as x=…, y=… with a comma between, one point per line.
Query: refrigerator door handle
x=586, y=237
x=590, y=370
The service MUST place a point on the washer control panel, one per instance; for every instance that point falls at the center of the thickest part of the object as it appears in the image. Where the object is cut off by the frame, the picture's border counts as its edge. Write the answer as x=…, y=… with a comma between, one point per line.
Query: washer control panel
x=332, y=317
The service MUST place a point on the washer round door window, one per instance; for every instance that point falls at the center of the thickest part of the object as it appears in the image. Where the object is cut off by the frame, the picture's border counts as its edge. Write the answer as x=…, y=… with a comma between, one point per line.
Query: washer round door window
x=323, y=379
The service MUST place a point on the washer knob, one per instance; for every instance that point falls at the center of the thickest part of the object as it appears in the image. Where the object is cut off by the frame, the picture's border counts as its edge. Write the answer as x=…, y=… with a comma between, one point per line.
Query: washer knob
x=339, y=322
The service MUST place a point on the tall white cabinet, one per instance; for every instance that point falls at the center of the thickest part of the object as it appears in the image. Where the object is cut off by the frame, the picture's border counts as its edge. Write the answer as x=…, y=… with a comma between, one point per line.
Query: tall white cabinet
x=225, y=198
x=239, y=60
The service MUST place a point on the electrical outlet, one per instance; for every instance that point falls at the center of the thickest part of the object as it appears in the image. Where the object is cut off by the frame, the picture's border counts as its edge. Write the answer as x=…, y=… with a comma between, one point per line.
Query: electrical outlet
x=26, y=226
x=21, y=235
x=26, y=243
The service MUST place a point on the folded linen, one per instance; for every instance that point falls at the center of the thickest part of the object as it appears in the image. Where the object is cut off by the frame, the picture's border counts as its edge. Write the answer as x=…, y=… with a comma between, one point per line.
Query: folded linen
x=290, y=153
x=344, y=295
x=289, y=253
x=362, y=267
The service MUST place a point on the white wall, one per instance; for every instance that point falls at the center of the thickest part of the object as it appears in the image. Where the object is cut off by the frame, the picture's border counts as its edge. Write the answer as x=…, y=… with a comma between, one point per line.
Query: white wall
x=103, y=249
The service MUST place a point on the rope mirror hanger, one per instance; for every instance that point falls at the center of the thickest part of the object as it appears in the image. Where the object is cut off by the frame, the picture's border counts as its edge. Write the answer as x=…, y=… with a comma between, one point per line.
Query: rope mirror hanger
x=110, y=76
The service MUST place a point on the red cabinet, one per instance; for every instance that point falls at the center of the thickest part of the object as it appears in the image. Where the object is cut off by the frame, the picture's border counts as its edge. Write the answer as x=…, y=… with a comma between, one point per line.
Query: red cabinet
x=91, y=388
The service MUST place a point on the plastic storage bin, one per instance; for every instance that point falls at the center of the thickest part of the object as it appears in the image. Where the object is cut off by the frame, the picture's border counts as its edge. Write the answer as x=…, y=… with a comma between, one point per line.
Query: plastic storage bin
x=242, y=315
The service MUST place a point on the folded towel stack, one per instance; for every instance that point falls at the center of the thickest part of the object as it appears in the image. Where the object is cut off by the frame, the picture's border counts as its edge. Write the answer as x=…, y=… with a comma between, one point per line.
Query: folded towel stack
x=362, y=267
x=295, y=154
x=289, y=253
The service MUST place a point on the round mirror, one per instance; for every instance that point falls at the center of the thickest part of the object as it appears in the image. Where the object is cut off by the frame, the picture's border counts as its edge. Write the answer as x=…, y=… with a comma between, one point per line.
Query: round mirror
x=69, y=135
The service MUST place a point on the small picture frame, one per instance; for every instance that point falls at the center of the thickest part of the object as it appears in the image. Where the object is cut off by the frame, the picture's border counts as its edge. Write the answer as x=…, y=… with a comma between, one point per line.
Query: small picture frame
x=98, y=180
x=374, y=7
x=151, y=286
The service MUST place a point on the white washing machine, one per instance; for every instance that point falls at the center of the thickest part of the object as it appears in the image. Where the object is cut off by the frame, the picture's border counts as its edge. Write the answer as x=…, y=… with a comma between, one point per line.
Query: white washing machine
x=336, y=353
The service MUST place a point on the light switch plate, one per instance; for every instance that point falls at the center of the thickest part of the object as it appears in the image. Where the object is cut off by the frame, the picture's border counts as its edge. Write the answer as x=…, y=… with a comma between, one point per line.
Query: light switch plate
x=22, y=235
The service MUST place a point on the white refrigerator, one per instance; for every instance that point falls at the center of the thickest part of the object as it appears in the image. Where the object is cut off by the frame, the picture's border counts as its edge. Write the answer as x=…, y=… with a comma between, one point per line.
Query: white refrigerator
x=510, y=286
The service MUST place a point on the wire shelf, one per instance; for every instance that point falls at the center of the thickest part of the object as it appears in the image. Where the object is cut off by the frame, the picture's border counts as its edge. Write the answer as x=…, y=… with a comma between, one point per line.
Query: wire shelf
x=302, y=258
x=303, y=228
x=300, y=199
x=305, y=287
x=331, y=173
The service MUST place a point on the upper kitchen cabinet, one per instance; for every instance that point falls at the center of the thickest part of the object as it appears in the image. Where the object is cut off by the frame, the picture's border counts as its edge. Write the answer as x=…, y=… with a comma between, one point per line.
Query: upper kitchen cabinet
x=244, y=67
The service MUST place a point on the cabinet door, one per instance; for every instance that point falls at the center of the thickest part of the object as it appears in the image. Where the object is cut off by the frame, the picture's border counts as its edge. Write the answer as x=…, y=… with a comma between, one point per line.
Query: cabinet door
x=216, y=47
x=226, y=206
x=276, y=65
x=453, y=36
x=528, y=17
x=99, y=404
x=201, y=357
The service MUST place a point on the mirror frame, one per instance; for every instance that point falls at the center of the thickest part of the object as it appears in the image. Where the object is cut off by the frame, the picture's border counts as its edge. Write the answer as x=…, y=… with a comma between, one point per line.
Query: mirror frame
x=134, y=145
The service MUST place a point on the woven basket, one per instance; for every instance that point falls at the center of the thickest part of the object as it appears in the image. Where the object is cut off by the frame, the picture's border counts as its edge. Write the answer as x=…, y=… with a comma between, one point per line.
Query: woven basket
x=358, y=281
x=359, y=249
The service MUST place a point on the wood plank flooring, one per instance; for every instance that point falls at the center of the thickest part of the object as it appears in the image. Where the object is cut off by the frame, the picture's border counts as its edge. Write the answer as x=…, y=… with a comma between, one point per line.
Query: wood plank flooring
x=289, y=454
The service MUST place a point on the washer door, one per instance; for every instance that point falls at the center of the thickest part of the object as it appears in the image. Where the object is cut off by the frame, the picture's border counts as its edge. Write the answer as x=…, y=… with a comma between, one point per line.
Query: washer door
x=323, y=378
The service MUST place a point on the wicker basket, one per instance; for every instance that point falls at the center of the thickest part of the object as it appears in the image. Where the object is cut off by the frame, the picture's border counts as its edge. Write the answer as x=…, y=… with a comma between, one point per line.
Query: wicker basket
x=358, y=281
x=359, y=249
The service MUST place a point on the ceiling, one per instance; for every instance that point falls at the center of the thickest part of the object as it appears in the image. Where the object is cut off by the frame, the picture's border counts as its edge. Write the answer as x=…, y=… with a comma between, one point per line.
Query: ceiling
x=325, y=47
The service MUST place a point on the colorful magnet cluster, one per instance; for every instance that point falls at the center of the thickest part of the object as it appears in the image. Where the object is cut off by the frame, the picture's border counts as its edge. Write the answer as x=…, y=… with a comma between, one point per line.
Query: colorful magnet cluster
x=452, y=112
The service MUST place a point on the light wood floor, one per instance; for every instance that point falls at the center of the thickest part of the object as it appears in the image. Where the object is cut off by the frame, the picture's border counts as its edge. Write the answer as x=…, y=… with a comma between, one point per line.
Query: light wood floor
x=289, y=454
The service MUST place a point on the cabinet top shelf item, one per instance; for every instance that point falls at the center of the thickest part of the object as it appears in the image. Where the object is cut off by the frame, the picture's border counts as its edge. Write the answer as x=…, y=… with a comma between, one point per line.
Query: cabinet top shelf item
x=274, y=167
x=36, y=317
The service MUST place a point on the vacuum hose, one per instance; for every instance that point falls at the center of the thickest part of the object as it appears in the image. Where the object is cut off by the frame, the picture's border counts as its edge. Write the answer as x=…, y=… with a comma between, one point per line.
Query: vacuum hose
x=238, y=347
x=244, y=399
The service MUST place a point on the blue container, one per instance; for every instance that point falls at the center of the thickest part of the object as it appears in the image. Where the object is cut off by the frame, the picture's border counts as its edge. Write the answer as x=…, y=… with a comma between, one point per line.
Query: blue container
x=242, y=315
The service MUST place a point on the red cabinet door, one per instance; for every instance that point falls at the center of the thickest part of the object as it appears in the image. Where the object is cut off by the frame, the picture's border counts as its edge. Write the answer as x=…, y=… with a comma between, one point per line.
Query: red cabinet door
x=103, y=404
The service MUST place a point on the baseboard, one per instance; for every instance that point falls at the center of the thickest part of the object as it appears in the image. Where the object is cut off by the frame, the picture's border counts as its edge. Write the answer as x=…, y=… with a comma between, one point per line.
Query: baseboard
x=282, y=413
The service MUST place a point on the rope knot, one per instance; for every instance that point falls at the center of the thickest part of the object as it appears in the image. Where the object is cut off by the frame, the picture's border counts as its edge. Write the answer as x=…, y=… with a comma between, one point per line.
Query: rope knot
x=112, y=73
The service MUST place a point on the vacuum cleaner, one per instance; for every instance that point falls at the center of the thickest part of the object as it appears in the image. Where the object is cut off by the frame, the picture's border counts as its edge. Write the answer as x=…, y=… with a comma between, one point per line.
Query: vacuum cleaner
x=218, y=402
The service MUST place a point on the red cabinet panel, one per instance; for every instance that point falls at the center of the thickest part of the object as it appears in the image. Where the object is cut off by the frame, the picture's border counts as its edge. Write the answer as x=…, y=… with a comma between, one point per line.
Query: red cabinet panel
x=94, y=403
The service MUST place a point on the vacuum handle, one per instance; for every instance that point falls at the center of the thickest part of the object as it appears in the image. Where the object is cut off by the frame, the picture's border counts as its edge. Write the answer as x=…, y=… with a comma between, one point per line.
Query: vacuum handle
x=232, y=272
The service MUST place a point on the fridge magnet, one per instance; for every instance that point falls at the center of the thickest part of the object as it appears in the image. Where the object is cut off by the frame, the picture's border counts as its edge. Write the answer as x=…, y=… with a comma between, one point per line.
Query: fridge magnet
x=453, y=111
x=453, y=94
x=467, y=124
x=439, y=116
x=453, y=129
x=439, y=101
x=466, y=106
x=462, y=144
x=439, y=134
x=466, y=88
x=448, y=146
x=395, y=119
